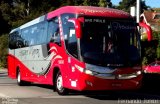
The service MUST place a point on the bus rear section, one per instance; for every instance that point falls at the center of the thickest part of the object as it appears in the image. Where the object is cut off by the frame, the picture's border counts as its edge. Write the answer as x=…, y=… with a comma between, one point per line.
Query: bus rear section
x=82, y=48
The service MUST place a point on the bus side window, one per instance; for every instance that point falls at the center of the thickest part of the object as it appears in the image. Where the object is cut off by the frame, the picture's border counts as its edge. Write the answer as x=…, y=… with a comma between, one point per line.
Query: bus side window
x=69, y=34
x=15, y=40
x=56, y=37
x=53, y=31
x=72, y=43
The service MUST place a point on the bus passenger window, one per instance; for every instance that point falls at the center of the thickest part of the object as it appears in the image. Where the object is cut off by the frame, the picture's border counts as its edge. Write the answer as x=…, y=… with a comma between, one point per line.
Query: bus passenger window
x=32, y=42
x=72, y=43
x=69, y=34
x=15, y=40
x=53, y=31
x=57, y=38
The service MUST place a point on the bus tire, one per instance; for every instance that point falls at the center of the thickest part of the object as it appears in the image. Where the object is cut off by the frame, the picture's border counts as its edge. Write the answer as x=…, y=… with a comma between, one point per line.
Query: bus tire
x=59, y=85
x=19, y=81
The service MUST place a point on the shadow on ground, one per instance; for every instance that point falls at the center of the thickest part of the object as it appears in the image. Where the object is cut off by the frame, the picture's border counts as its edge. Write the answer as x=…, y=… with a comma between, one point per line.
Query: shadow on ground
x=150, y=91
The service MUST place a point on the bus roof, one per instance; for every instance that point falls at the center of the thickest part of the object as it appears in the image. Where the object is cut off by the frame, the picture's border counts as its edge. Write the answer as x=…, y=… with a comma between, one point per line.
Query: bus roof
x=35, y=21
x=90, y=11
x=82, y=10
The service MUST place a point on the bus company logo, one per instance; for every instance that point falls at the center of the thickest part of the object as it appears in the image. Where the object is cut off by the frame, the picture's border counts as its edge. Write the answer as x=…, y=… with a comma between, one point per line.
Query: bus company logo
x=53, y=49
x=120, y=26
x=54, y=54
x=30, y=52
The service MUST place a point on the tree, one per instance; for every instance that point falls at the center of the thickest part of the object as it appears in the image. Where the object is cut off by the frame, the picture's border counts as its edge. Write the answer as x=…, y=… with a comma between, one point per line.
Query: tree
x=86, y=3
x=109, y=4
x=102, y=3
x=144, y=6
x=4, y=17
x=10, y=2
x=90, y=2
x=3, y=50
x=126, y=4
x=105, y=3
x=4, y=26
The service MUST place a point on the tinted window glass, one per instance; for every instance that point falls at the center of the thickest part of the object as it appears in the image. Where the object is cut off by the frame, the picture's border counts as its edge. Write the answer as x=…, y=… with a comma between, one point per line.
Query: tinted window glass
x=15, y=40
x=53, y=31
x=72, y=43
x=66, y=25
x=110, y=42
x=69, y=34
x=36, y=34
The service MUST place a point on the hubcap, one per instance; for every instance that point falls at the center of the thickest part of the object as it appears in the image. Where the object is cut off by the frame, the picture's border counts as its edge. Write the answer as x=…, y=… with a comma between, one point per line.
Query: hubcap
x=59, y=83
x=19, y=77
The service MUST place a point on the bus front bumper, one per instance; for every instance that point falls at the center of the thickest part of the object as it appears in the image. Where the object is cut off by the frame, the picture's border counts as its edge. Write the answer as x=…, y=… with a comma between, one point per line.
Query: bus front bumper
x=89, y=82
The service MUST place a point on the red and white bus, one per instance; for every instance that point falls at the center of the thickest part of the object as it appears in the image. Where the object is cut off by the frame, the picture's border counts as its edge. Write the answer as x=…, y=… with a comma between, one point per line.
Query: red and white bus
x=79, y=48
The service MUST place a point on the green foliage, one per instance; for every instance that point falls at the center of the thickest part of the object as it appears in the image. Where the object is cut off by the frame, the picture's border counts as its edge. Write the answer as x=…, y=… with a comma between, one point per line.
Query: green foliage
x=144, y=61
x=157, y=9
x=4, y=18
x=86, y=3
x=149, y=53
x=102, y=3
x=109, y=3
x=126, y=4
x=144, y=37
x=3, y=50
x=14, y=13
x=157, y=37
x=158, y=52
x=90, y=3
x=151, y=50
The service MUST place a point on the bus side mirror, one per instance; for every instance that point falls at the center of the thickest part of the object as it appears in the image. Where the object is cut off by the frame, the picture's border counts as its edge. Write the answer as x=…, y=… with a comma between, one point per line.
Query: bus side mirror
x=77, y=25
x=148, y=30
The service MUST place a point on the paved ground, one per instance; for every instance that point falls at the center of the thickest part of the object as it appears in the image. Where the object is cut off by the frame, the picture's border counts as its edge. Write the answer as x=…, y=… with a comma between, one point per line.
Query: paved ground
x=11, y=93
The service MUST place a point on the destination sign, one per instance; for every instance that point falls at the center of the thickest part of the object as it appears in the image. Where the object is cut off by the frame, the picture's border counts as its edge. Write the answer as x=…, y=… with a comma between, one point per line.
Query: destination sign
x=95, y=20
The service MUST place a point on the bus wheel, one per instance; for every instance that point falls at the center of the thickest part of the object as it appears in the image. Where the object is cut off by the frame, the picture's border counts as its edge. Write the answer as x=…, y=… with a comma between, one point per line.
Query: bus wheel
x=59, y=85
x=19, y=81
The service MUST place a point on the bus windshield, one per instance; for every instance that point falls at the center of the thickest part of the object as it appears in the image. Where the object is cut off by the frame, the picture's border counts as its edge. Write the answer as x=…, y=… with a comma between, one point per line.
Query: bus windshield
x=110, y=42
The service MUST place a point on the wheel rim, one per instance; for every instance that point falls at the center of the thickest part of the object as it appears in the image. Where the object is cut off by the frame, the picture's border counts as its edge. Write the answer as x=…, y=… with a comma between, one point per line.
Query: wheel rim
x=59, y=83
x=19, y=77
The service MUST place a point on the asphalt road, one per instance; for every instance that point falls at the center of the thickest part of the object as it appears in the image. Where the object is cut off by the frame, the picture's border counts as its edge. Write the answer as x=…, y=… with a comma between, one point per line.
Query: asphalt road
x=11, y=93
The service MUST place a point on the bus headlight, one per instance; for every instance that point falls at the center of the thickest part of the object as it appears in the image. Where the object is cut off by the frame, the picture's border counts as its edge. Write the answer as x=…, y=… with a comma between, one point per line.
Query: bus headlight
x=129, y=76
x=139, y=72
x=79, y=68
x=91, y=69
x=90, y=72
x=99, y=69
